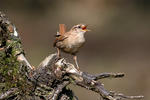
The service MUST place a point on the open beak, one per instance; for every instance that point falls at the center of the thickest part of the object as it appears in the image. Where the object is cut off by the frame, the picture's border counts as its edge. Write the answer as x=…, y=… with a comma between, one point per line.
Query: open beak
x=87, y=30
x=84, y=28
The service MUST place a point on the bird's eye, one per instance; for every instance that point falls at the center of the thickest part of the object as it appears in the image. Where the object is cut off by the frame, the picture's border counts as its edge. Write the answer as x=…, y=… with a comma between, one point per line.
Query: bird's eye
x=79, y=26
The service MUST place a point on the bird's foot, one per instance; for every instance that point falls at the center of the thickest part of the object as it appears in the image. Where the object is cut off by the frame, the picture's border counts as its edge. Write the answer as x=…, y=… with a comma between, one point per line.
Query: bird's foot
x=78, y=68
x=58, y=57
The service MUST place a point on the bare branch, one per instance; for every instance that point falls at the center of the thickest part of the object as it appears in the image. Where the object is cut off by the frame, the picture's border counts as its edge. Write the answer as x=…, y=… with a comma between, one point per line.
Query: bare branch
x=120, y=96
x=58, y=90
x=89, y=81
x=21, y=58
x=8, y=93
x=108, y=75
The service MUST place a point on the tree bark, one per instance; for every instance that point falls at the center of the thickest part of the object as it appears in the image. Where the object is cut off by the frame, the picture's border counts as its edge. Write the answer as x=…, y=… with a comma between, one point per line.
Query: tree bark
x=21, y=81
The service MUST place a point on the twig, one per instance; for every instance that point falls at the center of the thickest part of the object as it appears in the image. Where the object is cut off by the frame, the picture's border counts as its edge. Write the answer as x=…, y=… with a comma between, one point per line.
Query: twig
x=105, y=75
x=8, y=93
x=120, y=96
x=58, y=90
x=21, y=58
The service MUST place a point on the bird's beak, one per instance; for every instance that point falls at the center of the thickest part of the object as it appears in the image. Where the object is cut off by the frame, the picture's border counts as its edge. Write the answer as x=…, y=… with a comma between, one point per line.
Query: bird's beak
x=84, y=28
x=87, y=30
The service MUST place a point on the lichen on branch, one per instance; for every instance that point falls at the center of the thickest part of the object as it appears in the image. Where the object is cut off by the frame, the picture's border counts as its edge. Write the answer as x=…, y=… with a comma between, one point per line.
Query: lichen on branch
x=10, y=49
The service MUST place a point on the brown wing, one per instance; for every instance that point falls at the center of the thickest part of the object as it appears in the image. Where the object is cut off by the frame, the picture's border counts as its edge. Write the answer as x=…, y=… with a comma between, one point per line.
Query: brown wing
x=60, y=35
x=59, y=39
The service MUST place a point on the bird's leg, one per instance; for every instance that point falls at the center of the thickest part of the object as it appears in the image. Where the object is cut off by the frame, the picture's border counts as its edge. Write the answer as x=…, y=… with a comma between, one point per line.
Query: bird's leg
x=75, y=59
x=58, y=53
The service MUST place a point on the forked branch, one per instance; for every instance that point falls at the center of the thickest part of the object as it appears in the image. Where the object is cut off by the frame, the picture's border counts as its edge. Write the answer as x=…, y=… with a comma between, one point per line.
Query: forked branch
x=91, y=81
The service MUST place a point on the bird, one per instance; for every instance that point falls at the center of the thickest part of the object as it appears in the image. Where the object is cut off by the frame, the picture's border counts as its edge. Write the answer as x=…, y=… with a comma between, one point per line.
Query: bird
x=70, y=42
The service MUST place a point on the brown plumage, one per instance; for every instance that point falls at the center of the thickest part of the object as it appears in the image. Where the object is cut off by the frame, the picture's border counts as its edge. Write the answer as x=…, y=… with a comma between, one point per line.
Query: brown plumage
x=71, y=41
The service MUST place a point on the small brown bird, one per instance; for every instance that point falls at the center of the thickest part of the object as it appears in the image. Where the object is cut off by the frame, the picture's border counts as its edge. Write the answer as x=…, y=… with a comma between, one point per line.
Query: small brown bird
x=71, y=41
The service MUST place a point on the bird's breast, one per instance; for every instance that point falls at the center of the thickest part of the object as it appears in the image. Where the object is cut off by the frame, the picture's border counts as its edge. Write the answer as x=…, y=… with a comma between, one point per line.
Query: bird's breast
x=76, y=40
x=73, y=43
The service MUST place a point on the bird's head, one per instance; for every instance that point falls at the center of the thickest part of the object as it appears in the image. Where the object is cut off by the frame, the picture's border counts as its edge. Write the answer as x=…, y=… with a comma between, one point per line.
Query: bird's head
x=81, y=28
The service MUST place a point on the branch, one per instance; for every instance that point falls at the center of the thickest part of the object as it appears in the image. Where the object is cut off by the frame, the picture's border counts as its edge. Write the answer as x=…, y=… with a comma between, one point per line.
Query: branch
x=8, y=93
x=12, y=60
x=61, y=69
x=104, y=75
x=90, y=81
x=120, y=95
x=58, y=90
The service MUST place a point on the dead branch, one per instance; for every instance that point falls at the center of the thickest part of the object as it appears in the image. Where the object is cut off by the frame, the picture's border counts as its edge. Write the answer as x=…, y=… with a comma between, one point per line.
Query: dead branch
x=9, y=93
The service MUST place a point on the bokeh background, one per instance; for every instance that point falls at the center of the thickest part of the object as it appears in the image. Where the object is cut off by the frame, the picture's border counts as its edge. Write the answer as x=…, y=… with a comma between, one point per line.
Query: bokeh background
x=119, y=40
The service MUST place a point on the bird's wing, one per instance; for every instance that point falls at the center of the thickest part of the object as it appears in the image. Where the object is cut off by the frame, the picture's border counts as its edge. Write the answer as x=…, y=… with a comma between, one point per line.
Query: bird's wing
x=60, y=35
x=59, y=39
